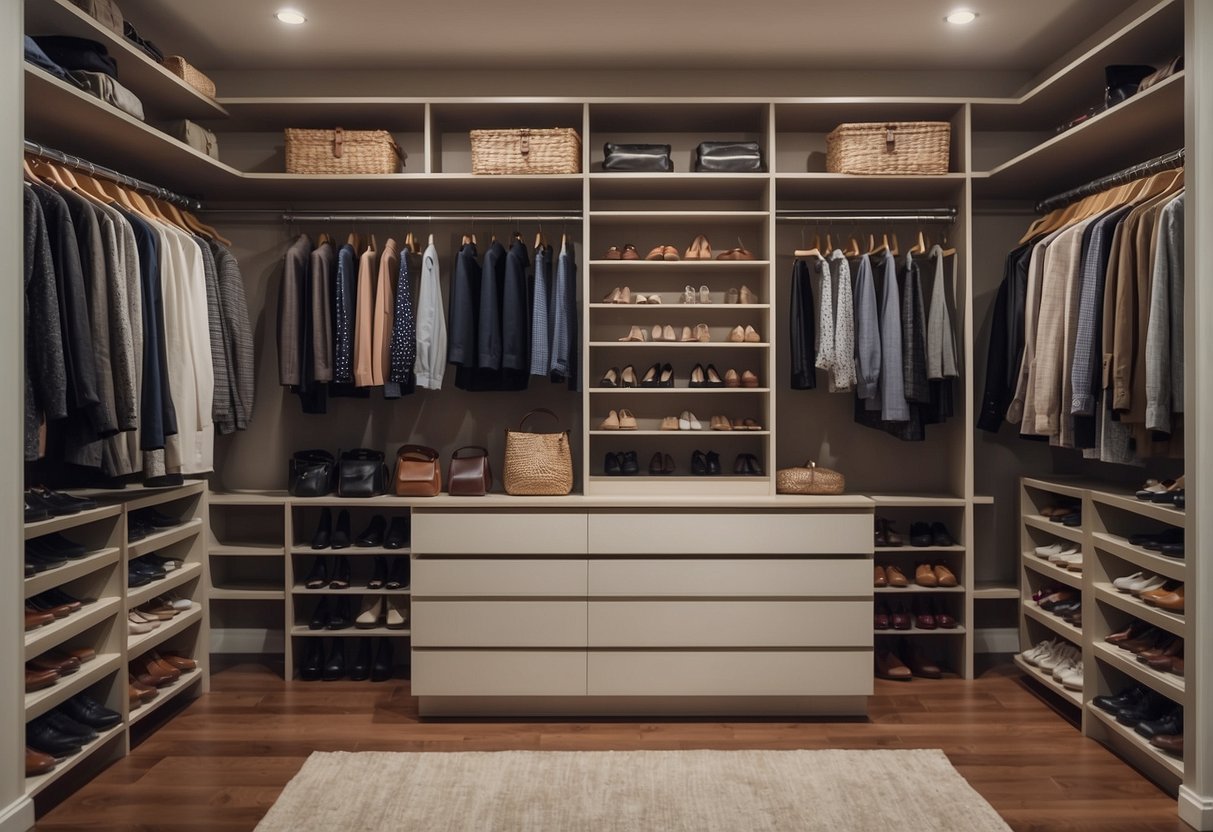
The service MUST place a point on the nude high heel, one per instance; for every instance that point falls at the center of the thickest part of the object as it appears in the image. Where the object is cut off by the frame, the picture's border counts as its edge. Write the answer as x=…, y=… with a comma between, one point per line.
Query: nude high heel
x=635, y=334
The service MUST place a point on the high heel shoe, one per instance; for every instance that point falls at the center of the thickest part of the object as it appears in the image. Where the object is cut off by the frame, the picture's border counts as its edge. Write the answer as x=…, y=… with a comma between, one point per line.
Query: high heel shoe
x=751, y=335
x=341, y=574
x=712, y=377
x=663, y=333
x=635, y=334
x=699, y=249
x=611, y=422
x=688, y=335
x=705, y=295
x=324, y=531
x=651, y=376
x=318, y=578
x=657, y=334
x=746, y=296
x=702, y=334
x=627, y=378
x=666, y=379
x=610, y=378
x=731, y=379
x=627, y=420
x=698, y=378
x=689, y=295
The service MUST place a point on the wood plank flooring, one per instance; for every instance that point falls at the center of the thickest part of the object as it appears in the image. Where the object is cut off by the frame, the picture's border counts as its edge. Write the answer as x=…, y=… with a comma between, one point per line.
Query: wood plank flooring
x=221, y=762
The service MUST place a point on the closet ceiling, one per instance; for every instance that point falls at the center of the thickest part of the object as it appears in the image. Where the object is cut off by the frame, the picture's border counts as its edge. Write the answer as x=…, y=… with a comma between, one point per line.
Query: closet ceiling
x=469, y=34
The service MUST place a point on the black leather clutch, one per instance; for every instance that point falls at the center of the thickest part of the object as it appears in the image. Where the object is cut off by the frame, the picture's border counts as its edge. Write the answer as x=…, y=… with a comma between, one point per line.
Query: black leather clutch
x=729, y=157
x=637, y=157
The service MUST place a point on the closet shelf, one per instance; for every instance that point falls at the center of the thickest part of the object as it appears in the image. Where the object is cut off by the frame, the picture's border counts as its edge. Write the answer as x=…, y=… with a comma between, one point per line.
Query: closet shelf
x=164, y=95
x=247, y=498
x=925, y=550
x=302, y=631
x=1168, y=684
x=159, y=540
x=1071, y=533
x=137, y=498
x=676, y=391
x=1041, y=566
x=692, y=309
x=915, y=589
x=685, y=186
x=1136, y=555
x=1173, y=766
x=173, y=580
x=253, y=592
x=303, y=592
x=678, y=344
x=1129, y=503
x=70, y=521
x=274, y=114
x=1046, y=679
x=845, y=186
x=1062, y=628
x=246, y=550
x=629, y=218
x=41, y=701
x=1171, y=622
x=138, y=645
x=36, y=785
x=958, y=630
x=73, y=570
x=994, y=591
x=702, y=434
x=42, y=639
x=167, y=694
x=1075, y=489
x=660, y=265
x=917, y=501
x=413, y=187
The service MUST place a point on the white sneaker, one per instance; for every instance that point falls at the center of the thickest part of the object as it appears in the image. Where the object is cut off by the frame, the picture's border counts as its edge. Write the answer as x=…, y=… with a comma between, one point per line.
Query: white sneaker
x=1147, y=584
x=1062, y=553
x=1123, y=584
x=1065, y=651
x=1051, y=549
x=1065, y=667
x=1072, y=679
x=1070, y=562
x=1033, y=654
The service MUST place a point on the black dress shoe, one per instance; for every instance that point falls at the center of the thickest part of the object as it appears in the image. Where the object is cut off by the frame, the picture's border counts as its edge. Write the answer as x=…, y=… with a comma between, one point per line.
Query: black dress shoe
x=381, y=670
x=1072, y=520
x=1170, y=724
x=655, y=465
x=64, y=724
x=147, y=567
x=1151, y=707
x=1171, y=550
x=339, y=615
x=320, y=615
x=313, y=660
x=752, y=468
x=44, y=738
x=43, y=562
x=324, y=531
x=318, y=578
x=63, y=502
x=35, y=511
x=629, y=464
x=341, y=535
x=136, y=531
x=360, y=667
x=341, y=573
x=164, y=481
x=88, y=711
x=372, y=535
x=156, y=519
x=59, y=546
x=398, y=532
x=940, y=536
x=920, y=535
x=398, y=578
x=30, y=570
x=334, y=668
x=699, y=464
x=1127, y=698
x=379, y=575
x=58, y=596
x=712, y=459
x=611, y=466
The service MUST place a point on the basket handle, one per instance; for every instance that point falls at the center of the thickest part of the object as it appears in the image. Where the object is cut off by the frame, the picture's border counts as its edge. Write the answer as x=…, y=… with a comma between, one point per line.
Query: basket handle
x=890, y=137
x=524, y=141
x=338, y=140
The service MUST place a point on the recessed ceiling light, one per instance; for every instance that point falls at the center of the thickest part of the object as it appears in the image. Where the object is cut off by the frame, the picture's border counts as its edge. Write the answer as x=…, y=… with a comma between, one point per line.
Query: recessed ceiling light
x=961, y=16
x=292, y=16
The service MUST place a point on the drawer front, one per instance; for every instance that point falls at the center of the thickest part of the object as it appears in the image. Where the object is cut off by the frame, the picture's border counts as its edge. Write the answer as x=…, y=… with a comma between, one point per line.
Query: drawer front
x=488, y=533
x=499, y=623
x=498, y=672
x=437, y=577
x=723, y=673
x=731, y=578
x=773, y=533
x=730, y=624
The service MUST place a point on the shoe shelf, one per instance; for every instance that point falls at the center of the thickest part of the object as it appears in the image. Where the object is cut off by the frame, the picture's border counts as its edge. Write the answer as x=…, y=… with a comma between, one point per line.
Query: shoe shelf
x=72, y=570
x=671, y=391
x=301, y=590
x=352, y=550
x=915, y=589
x=70, y=521
x=1074, y=697
x=245, y=550
x=921, y=549
x=302, y=631
x=167, y=694
x=1136, y=555
x=1075, y=490
x=679, y=265
x=1063, y=628
x=691, y=309
x=189, y=571
x=1171, y=622
x=140, y=644
x=1168, y=684
x=41, y=701
x=723, y=434
x=158, y=540
x=250, y=593
x=1127, y=502
x=36, y=785
x=136, y=498
x=1143, y=751
x=958, y=630
x=44, y=638
x=1041, y=566
x=995, y=591
x=915, y=501
x=694, y=345
x=1071, y=533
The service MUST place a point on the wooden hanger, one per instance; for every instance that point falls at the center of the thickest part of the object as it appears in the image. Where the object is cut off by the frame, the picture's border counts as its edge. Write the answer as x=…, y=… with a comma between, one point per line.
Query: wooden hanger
x=852, y=249
x=409, y=246
x=540, y=241
x=895, y=247
x=322, y=238
x=944, y=250
x=207, y=230
x=815, y=251
x=49, y=173
x=28, y=170
x=120, y=196
x=920, y=245
x=431, y=239
x=874, y=249
x=829, y=242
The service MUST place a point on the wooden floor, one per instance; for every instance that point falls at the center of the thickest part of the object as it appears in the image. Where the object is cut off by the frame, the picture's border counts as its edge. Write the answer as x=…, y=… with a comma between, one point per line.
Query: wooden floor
x=220, y=763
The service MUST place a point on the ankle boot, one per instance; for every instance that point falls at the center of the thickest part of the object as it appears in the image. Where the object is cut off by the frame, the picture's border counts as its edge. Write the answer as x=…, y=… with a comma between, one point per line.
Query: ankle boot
x=341, y=573
x=339, y=615
x=399, y=577
x=318, y=578
x=379, y=575
x=320, y=616
x=312, y=664
x=334, y=668
x=372, y=535
x=341, y=534
x=381, y=670
x=324, y=531
x=397, y=533
x=360, y=669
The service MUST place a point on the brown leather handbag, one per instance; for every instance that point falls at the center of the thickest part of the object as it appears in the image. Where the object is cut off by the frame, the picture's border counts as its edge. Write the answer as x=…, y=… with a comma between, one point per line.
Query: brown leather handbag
x=469, y=474
x=418, y=472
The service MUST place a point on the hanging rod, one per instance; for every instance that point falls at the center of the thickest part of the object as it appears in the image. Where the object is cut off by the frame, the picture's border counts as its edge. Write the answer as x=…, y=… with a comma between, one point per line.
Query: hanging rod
x=109, y=173
x=432, y=216
x=1167, y=161
x=943, y=215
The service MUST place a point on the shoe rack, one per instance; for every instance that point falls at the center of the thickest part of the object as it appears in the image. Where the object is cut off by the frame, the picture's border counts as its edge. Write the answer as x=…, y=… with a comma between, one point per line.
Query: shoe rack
x=99, y=579
x=1109, y=519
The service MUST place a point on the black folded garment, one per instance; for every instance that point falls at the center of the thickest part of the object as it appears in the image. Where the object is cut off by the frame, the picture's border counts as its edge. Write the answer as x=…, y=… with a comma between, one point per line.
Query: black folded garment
x=78, y=54
x=35, y=55
x=146, y=45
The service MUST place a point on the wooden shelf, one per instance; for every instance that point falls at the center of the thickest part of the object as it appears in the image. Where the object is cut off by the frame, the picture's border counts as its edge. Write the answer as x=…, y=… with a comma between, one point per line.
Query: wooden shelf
x=917, y=501
x=167, y=694
x=351, y=550
x=1075, y=490
x=915, y=589
x=246, y=550
x=178, y=577
x=840, y=186
x=36, y=785
x=1070, y=533
x=414, y=187
x=1074, y=697
x=158, y=540
x=678, y=186
x=42, y=639
x=302, y=631
x=140, y=644
x=302, y=591
x=70, y=521
x=923, y=549
x=705, y=217
x=995, y=592
x=139, y=497
x=682, y=345
x=72, y=570
x=677, y=265
x=692, y=309
x=273, y=114
x=248, y=498
x=1147, y=752
x=250, y=593
x=41, y=701
x=1064, y=629
x=1127, y=502
x=1136, y=555
x=677, y=390
x=1168, y=684
x=1169, y=621
x=1052, y=571
x=726, y=434
x=958, y=630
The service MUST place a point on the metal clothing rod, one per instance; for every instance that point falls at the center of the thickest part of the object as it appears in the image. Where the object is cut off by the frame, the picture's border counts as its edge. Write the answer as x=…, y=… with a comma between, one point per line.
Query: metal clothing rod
x=433, y=216
x=1167, y=161
x=109, y=173
x=945, y=215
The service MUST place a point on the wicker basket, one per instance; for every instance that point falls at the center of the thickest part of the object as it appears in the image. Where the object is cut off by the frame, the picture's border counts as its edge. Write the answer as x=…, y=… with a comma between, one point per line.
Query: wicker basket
x=342, y=152
x=554, y=150
x=182, y=68
x=890, y=147
x=809, y=480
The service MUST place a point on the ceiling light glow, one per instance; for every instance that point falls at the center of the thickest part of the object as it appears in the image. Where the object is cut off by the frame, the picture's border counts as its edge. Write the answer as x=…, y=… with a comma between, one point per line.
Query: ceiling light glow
x=960, y=17
x=294, y=17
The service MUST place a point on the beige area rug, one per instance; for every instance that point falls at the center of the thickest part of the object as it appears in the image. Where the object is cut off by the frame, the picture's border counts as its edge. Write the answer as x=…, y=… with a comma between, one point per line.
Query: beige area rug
x=666, y=791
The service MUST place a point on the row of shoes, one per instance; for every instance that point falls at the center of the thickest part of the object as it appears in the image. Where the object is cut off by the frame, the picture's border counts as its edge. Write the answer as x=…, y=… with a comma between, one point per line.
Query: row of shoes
x=1068, y=514
x=1063, y=602
x=1063, y=554
x=925, y=575
x=148, y=521
x=1150, y=714
x=152, y=567
x=152, y=671
x=1153, y=589
x=924, y=614
x=390, y=611
x=922, y=535
x=150, y=616
x=700, y=334
x=313, y=665
x=624, y=419
x=1169, y=543
x=703, y=295
x=377, y=533
x=1163, y=492
x=41, y=503
x=1058, y=658
x=340, y=575
x=47, y=669
x=64, y=731
x=905, y=662
x=627, y=464
x=699, y=249
x=48, y=607
x=662, y=375
x=50, y=551
x=1154, y=647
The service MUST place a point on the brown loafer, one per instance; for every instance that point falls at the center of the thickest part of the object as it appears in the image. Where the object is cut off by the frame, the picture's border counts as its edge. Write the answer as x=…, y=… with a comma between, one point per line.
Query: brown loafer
x=613, y=253
x=1172, y=602
x=880, y=579
x=656, y=253
x=37, y=678
x=37, y=763
x=924, y=575
x=888, y=666
x=630, y=252
x=944, y=576
x=896, y=577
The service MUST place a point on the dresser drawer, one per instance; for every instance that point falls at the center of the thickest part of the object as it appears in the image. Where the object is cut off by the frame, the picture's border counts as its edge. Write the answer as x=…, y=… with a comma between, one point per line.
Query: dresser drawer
x=498, y=672
x=492, y=533
x=497, y=577
x=730, y=624
x=724, y=673
x=731, y=578
x=499, y=623
x=739, y=534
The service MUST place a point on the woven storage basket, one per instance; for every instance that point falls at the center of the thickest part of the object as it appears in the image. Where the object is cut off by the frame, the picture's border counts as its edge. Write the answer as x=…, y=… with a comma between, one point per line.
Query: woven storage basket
x=552, y=150
x=809, y=480
x=889, y=147
x=182, y=68
x=342, y=151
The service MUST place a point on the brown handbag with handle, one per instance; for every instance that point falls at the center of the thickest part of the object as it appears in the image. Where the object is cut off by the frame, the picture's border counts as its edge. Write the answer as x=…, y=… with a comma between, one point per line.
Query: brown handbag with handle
x=538, y=464
x=469, y=474
x=418, y=472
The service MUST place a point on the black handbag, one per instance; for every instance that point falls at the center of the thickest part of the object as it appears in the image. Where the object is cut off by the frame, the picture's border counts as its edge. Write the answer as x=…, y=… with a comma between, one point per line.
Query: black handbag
x=361, y=473
x=311, y=473
x=637, y=157
x=729, y=157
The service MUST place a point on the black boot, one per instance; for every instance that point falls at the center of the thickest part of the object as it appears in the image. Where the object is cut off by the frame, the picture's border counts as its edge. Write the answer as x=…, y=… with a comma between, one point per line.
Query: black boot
x=398, y=533
x=313, y=659
x=399, y=577
x=381, y=670
x=320, y=616
x=341, y=573
x=339, y=615
x=372, y=535
x=379, y=576
x=341, y=535
x=318, y=578
x=334, y=668
x=360, y=670
x=324, y=531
